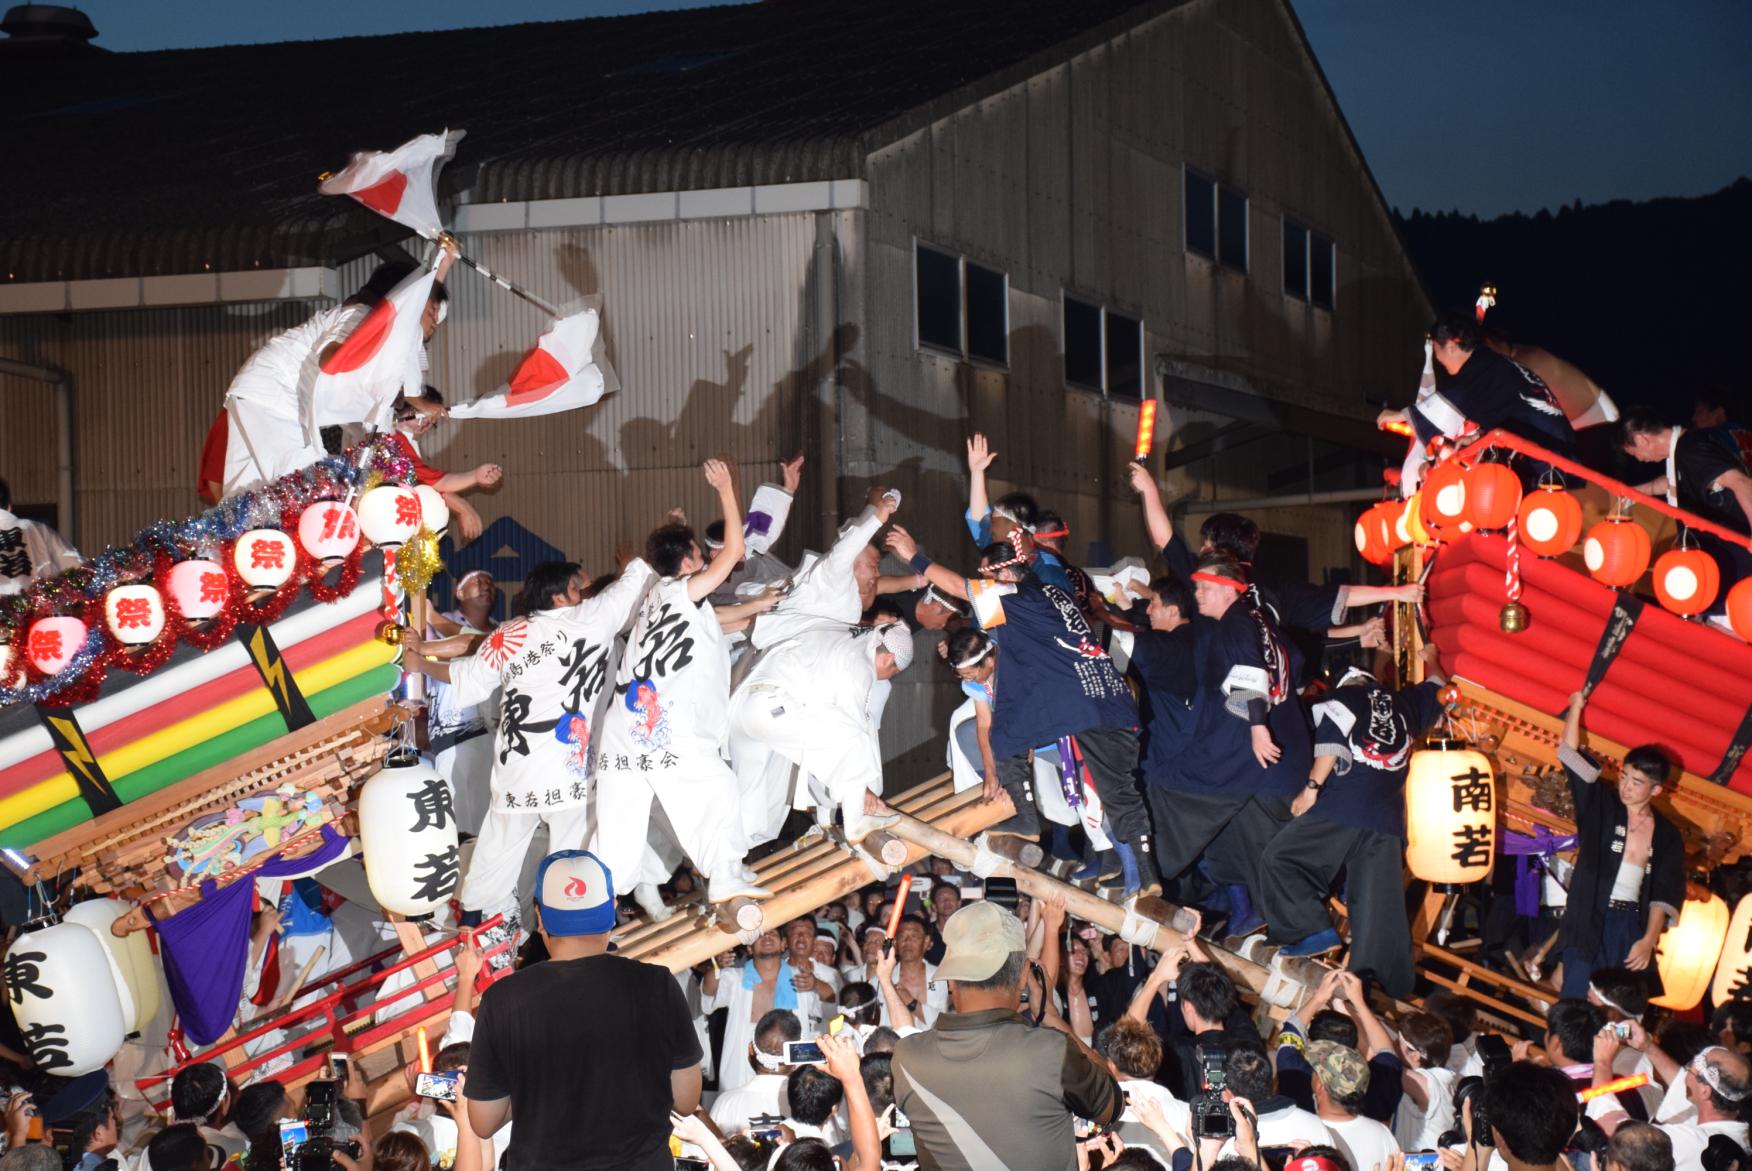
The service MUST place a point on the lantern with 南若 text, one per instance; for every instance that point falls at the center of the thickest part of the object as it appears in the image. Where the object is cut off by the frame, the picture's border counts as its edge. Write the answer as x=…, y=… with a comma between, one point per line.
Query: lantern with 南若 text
x=1616, y=551
x=1687, y=580
x=1450, y=813
x=328, y=530
x=1733, y=975
x=265, y=558
x=1442, y=506
x=389, y=515
x=408, y=836
x=1493, y=495
x=51, y=643
x=1550, y=521
x=199, y=588
x=1687, y=953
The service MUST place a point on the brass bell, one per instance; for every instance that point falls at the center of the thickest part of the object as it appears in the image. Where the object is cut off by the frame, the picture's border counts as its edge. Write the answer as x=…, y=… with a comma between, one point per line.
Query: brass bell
x=1513, y=618
x=391, y=633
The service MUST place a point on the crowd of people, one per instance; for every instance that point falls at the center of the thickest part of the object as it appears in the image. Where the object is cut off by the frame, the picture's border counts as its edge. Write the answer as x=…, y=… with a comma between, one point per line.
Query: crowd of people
x=1217, y=734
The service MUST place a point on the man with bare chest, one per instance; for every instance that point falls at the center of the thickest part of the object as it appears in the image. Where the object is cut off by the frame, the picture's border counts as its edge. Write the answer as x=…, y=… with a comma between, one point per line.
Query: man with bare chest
x=765, y=982
x=915, y=979
x=1629, y=879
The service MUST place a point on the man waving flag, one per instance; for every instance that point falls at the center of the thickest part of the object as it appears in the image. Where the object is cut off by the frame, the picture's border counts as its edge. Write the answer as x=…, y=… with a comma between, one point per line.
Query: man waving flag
x=566, y=370
x=400, y=184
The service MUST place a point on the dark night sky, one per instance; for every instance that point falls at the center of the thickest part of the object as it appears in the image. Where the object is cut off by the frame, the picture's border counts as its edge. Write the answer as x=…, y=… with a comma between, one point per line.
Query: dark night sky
x=1488, y=106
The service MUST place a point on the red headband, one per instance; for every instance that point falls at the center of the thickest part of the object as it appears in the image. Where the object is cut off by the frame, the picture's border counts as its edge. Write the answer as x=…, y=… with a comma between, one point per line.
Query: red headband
x=1312, y=1163
x=1239, y=587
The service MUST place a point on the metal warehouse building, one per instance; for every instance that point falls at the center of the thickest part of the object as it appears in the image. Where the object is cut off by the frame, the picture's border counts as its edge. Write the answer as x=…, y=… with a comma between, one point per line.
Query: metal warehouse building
x=862, y=230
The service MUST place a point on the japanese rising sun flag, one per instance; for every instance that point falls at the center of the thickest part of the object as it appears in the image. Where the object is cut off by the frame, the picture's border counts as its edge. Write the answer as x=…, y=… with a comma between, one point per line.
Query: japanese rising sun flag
x=566, y=370
x=379, y=359
x=401, y=183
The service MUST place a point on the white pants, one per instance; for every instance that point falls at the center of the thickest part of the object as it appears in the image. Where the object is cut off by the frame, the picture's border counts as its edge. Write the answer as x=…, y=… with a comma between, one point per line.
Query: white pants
x=490, y=883
x=261, y=445
x=763, y=782
x=824, y=742
x=468, y=767
x=699, y=798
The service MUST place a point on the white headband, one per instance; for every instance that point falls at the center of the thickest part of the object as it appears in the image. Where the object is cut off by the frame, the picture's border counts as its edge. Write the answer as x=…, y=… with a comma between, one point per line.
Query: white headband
x=983, y=652
x=1713, y=1076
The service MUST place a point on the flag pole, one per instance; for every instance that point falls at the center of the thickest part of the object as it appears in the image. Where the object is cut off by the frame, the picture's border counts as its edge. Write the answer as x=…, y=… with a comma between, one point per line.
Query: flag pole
x=508, y=286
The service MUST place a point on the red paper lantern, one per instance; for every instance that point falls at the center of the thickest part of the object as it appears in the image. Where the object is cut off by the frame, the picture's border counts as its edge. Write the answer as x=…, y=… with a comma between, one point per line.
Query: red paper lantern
x=200, y=588
x=1740, y=608
x=328, y=530
x=1616, y=551
x=1550, y=521
x=1493, y=494
x=1374, y=534
x=1443, y=506
x=51, y=643
x=1687, y=580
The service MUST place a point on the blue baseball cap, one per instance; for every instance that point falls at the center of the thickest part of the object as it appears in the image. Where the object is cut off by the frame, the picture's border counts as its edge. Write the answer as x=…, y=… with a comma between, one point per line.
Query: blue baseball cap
x=575, y=893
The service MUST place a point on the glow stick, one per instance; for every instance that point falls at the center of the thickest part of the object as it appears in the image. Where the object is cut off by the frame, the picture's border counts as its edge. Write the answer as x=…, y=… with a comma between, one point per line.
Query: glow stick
x=425, y=1052
x=1623, y=1083
x=899, y=904
x=1146, y=429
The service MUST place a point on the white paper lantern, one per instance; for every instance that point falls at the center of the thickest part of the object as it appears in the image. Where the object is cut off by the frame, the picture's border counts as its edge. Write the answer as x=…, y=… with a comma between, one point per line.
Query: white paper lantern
x=407, y=831
x=434, y=513
x=199, y=588
x=9, y=674
x=265, y=558
x=328, y=530
x=1688, y=952
x=1450, y=813
x=134, y=614
x=132, y=963
x=1733, y=977
x=52, y=643
x=389, y=515
x=64, y=999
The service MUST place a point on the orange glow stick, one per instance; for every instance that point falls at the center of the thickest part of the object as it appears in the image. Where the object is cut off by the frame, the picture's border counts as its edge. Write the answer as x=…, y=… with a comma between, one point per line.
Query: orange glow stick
x=1146, y=428
x=1623, y=1083
x=1398, y=428
x=899, y=904
x=425, y=1052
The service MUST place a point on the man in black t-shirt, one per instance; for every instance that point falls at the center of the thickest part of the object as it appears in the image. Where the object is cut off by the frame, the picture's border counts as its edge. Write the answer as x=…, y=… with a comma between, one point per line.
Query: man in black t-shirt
x=587, y=1050
x=1703, y=472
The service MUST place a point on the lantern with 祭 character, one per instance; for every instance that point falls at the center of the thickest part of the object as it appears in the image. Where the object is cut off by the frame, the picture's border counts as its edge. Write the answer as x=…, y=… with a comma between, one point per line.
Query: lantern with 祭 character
x=199, y=587
x=134, y=614
x=64, y=998
x=1450, y=813
x=265, y=558
x=408, y=834
x=389, y=515
x=328, y=530
x=434, y=513
x=52, y=642
x=1687, y=953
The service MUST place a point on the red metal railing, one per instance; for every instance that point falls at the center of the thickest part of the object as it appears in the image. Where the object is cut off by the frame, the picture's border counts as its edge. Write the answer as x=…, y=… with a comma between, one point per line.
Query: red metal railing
x=332, y=1013
x=1570, y=467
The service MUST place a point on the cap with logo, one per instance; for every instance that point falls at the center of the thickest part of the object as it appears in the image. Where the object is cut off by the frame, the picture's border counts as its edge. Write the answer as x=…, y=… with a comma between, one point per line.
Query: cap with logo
x=1340, y=1067
x=575, y=894
x=977, y=940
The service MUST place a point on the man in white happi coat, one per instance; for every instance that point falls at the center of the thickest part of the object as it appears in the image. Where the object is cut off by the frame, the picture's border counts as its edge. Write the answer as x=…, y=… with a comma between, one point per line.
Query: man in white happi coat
x=551, y=666
x=806, y=697
x=664, y=731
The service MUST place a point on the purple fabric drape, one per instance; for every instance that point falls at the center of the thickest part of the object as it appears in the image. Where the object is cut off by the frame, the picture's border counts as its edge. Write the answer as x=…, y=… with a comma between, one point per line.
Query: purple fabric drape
x=1529, y=852
x=205, y=949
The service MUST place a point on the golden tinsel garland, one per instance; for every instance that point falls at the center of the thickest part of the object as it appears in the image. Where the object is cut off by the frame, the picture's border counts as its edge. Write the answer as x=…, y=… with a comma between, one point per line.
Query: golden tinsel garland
x=417, y=562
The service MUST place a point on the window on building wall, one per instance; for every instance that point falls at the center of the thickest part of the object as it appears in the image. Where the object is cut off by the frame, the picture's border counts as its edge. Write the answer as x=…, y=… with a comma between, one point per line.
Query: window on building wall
x=1232, y=228
x=938, y=298
x=1295, y=260
x=1322, y=270
x=1104, y=349
x=1201, y=215
x=988, y=314
x=1082, y=344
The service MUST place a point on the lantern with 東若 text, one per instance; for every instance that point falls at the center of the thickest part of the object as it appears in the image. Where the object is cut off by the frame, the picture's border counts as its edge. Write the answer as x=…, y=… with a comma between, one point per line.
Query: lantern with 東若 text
x=64, y=999
x=265, y=558
x=1687, y=953
x=1733, y=974
x=1450, y=813
x=408, y=836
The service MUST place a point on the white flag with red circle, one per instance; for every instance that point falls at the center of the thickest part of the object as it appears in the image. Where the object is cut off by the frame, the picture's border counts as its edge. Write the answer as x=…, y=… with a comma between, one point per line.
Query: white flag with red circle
x=402, y=183
x=566, y=370
x=380, y=358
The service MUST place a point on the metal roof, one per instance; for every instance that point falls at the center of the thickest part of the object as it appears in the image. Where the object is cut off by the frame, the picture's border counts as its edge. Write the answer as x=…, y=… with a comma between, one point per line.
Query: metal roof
x=140, y=164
